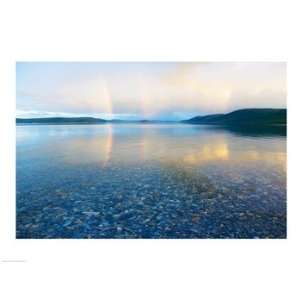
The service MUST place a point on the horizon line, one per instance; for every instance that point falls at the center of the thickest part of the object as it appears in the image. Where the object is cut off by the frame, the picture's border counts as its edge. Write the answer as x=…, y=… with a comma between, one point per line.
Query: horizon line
x=143, y=119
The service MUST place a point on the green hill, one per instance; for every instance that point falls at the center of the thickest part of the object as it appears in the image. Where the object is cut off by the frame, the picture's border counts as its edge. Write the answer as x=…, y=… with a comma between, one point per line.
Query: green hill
x=254, y=116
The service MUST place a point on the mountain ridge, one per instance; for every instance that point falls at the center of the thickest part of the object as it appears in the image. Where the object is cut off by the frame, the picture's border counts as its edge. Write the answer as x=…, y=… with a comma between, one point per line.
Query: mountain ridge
x=248, y=116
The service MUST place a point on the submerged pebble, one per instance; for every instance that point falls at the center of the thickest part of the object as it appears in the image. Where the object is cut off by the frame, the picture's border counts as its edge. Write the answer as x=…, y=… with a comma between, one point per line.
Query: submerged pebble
x=154, y=198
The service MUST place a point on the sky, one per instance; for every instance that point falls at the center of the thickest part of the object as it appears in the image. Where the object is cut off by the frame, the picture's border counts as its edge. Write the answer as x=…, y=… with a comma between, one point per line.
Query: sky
x=158, y=91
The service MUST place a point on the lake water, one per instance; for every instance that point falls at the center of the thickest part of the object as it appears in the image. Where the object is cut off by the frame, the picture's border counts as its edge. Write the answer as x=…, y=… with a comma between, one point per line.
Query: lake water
x=150, y=181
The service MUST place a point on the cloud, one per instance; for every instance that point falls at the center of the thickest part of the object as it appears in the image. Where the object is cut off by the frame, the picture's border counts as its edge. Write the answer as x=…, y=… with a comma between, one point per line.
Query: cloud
x=151, y=89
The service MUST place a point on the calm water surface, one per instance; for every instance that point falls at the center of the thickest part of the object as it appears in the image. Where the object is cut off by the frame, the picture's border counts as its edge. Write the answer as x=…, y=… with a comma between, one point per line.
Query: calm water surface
x=150, y=181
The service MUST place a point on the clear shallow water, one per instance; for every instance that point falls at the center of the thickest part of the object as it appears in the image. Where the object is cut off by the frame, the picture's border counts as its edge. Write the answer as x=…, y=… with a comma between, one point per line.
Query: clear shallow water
x=150, y=181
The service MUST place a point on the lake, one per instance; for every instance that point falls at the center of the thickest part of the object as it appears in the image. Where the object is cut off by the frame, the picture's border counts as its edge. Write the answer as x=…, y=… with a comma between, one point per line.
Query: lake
x=150, y=181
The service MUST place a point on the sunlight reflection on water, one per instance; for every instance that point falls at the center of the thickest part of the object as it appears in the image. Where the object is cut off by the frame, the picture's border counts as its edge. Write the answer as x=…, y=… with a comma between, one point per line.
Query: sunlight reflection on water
x=79, y=144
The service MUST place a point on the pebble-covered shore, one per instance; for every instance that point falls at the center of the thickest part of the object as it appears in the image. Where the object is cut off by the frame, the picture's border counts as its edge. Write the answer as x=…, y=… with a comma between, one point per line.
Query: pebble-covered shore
x=147, y=201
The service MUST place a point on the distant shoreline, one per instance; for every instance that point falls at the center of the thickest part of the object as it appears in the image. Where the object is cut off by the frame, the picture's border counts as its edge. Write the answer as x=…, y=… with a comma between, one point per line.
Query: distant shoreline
x=20, y=123
x=247, y=117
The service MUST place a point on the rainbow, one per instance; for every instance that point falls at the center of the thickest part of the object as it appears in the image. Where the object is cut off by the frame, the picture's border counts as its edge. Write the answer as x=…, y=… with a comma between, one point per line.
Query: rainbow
x=107, y=101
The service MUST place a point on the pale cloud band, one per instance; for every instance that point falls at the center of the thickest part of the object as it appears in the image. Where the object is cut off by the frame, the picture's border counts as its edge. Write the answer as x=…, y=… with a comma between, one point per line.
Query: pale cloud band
x=147, y=90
